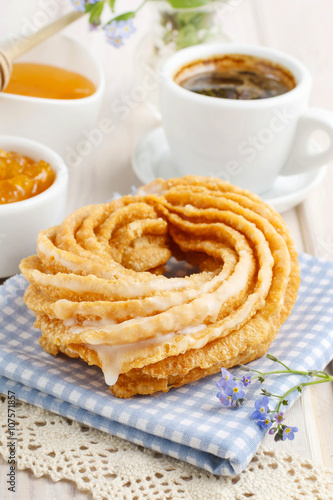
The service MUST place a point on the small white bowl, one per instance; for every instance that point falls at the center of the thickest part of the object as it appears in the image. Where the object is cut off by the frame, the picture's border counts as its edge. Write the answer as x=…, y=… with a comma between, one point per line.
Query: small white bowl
x=20, y=222
x=61, y=124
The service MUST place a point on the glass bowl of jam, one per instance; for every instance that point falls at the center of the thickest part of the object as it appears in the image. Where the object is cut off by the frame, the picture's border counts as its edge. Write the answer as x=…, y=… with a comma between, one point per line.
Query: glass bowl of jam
x=33, y=195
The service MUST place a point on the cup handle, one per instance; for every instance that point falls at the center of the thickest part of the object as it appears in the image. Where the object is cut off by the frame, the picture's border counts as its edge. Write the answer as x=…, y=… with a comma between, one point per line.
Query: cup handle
x=301, y=159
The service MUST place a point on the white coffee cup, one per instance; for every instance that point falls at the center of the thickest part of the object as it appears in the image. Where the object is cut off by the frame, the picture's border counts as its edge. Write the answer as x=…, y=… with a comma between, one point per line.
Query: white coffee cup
x=247, y=142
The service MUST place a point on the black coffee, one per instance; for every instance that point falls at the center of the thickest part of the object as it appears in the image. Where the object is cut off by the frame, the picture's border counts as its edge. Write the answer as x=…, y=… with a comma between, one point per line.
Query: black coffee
x=236, y=76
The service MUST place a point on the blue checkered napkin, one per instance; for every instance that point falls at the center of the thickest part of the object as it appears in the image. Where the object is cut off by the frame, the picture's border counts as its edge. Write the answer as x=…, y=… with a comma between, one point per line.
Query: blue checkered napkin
x=188, y=423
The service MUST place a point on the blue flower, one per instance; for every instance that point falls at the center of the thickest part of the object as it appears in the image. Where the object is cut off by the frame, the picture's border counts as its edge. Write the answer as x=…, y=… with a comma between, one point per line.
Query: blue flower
x=227, y=400
x=264, y=423
x=112, y=30
x=116, y=41
x=79, y=5
x=289, y=432
x=234, y=389
x=221, y=392
x=117, y=31
x=246, y=380
x=279, y=417
x=226, y=377
x=126, y=28
x=261, y=408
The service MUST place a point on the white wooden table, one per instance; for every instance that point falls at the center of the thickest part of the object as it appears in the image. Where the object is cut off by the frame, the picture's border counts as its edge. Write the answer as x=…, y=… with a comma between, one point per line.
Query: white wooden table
x=302, y=28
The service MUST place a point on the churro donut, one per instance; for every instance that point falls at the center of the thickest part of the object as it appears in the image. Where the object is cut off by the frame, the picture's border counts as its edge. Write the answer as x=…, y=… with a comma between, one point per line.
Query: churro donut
x=98, y=290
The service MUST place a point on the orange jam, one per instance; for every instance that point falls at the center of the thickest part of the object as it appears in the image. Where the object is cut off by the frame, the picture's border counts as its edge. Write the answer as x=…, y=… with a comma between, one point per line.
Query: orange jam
x=22, y=178
x=50, y=82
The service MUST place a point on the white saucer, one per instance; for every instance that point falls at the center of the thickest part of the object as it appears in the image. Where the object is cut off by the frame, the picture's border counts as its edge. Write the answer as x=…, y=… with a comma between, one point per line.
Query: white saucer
x=152, y=159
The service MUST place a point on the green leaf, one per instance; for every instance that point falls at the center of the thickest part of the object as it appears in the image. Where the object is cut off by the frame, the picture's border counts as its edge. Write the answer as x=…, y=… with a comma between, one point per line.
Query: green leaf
x=187, y=36
x=265, y=393
x=95, y=13
x=123, y=17
x=89, y=7
x=188, y=4
x=112, y=4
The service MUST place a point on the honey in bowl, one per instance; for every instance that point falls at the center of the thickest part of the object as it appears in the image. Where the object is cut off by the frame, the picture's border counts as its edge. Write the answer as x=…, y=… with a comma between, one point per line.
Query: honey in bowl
x=49, y=82
x=22, y=177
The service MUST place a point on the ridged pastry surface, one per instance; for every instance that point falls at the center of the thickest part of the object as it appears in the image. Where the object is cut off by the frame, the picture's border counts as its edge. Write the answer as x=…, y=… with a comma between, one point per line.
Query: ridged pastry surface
x=98, y=290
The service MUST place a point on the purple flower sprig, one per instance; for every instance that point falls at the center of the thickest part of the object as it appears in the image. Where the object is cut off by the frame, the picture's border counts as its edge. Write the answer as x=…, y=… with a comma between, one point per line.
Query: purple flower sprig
x=265, y=420
x=118, y=29
x=231, y=389
x=231, y=394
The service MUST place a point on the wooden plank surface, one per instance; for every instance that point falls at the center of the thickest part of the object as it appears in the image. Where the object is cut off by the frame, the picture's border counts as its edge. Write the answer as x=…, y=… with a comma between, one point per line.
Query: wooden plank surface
x=303, y=29
x=297, y=28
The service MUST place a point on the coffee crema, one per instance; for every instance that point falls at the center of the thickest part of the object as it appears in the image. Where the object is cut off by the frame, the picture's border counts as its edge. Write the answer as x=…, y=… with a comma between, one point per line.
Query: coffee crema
x=236, y=76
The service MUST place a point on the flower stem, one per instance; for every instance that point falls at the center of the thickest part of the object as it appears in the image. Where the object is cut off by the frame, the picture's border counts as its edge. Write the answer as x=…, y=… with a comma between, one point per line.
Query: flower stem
x=304, y=384
x=141, y=5
x=295, y=372
x=287, y=367
x=264, y=374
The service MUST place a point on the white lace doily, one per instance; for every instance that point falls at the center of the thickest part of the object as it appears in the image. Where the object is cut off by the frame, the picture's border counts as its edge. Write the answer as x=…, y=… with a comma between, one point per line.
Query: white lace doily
x=111, y=468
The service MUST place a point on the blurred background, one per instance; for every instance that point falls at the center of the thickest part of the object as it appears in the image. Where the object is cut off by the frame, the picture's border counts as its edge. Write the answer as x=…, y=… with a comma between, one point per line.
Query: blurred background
x=301, y=28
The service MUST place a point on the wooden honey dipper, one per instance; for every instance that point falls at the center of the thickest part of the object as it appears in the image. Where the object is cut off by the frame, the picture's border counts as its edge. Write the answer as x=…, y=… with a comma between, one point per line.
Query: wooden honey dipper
x=24, y=44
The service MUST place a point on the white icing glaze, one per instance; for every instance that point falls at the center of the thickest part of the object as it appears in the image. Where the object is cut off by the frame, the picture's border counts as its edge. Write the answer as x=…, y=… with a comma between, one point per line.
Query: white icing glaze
x=54, y=252
x=194, y=313
x=189, y=330
x=66, y=310
x=97, y=285
x=113, y=357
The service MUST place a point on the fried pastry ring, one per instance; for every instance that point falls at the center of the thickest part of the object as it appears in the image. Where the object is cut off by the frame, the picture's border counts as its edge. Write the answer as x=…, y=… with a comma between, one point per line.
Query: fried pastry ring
x=98, y=291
